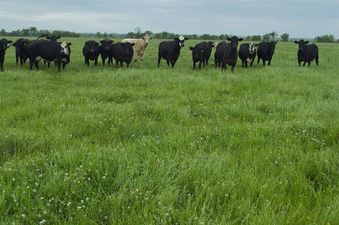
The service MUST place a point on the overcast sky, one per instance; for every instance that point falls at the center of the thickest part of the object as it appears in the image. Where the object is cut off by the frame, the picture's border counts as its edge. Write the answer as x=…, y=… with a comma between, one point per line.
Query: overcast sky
x=299, y=18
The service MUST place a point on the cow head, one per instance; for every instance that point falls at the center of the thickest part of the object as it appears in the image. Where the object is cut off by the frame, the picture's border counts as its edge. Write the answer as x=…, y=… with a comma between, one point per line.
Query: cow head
x=181, y=41
x=106, y=44
x=234, y=42
x=65, y=48
x=272, y=46
x=196, y=53
x=127, y=48
x=4, y=44
x=252, y=48
x=93, y=46
x=301, y=44
x=146, y=38
x=53, y=37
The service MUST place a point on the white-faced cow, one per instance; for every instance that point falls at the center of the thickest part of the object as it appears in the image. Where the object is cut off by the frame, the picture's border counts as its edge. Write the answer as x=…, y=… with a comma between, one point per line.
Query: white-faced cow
x=170, y=50
x=247, y=53
x=3, y=47
x=50, y=51
x=201, y=53
x=139, y=46
x=265, y=51
x=307, y=53
x=227, y=53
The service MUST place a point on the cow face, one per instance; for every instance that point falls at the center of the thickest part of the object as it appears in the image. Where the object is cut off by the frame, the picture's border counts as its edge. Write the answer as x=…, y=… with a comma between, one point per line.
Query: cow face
x=252, y=48
x=127, y=48
x=234, y=41
x=181, y=41
x=196, y=53
x=301, y=44
x=53, y=37
x=147, y=38
x=93, y=46
x=4, y=43
x=106, y=44
x=272, y=46
x=65, y=48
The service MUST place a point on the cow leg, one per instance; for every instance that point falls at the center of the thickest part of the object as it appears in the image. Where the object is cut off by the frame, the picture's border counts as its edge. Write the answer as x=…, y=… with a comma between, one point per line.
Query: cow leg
x=2, y=66
x=96, y=62
x=168, y=62
x=31, y=62
x=304, y=63
x=234, y=65
x=269, y=61
x=103, y=61
x=200, y=62
x=317, y=60
x=87, y=61
x=59, y=66
x=258, y=60
x=194, y=64
x=37, y=65
x=17, y=59
x=49, y=64
x=299, y=62
x=309, y=63
x=252, y=63
x=264, y=62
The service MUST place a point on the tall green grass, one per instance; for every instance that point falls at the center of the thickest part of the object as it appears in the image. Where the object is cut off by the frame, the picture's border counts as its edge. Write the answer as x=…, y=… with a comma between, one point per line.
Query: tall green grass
x=171, y=146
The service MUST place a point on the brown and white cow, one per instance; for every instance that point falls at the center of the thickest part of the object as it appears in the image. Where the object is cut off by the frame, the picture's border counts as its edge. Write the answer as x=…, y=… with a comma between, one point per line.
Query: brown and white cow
x=140, y=46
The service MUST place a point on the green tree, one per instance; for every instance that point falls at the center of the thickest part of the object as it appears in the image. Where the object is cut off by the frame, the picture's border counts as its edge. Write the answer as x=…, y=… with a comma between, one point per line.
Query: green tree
x=284, y=37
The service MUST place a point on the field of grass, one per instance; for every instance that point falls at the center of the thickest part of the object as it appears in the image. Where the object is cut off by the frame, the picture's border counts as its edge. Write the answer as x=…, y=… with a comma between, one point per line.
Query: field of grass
x=171, y=146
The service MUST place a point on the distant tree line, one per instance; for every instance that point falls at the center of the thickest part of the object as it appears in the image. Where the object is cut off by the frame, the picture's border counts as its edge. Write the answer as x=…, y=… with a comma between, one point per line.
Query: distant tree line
x=34, y=32
x=138, y=33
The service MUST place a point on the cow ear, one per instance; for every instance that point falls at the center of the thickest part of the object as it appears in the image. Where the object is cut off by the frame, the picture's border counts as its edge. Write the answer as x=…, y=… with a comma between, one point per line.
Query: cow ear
x=297, y=42
x=306, y=42
x=58, y=37
x=229, y=39
x=69, y=43
x=10, y=42
x=14, y=44
x=191, y=48
x=132, y=44
x=240, y=39
x=186, y=38
x=102, y=41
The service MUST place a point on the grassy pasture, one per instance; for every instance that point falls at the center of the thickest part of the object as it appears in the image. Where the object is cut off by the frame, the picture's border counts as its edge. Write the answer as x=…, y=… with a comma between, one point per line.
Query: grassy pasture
x=159, y=146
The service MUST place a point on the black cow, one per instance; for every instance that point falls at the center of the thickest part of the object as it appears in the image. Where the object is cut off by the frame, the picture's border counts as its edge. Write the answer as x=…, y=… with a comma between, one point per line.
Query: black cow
x=201, y=53
x=3, y=47
x=265, y=51
x=170, y=50
x=123, y=53
x=50, y=51
x=227, y=53
x=91, y=51
x=247, y=53
x=20, y=53
x=307, y=53
x=106, y=51
x=50, y=37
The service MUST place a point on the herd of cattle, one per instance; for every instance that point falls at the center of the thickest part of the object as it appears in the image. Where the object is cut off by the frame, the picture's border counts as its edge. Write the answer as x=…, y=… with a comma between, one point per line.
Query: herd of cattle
x=49, y=49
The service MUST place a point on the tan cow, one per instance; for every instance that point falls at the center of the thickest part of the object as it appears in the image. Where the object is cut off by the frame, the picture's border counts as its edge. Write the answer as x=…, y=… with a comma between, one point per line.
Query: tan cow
x=140, y=46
